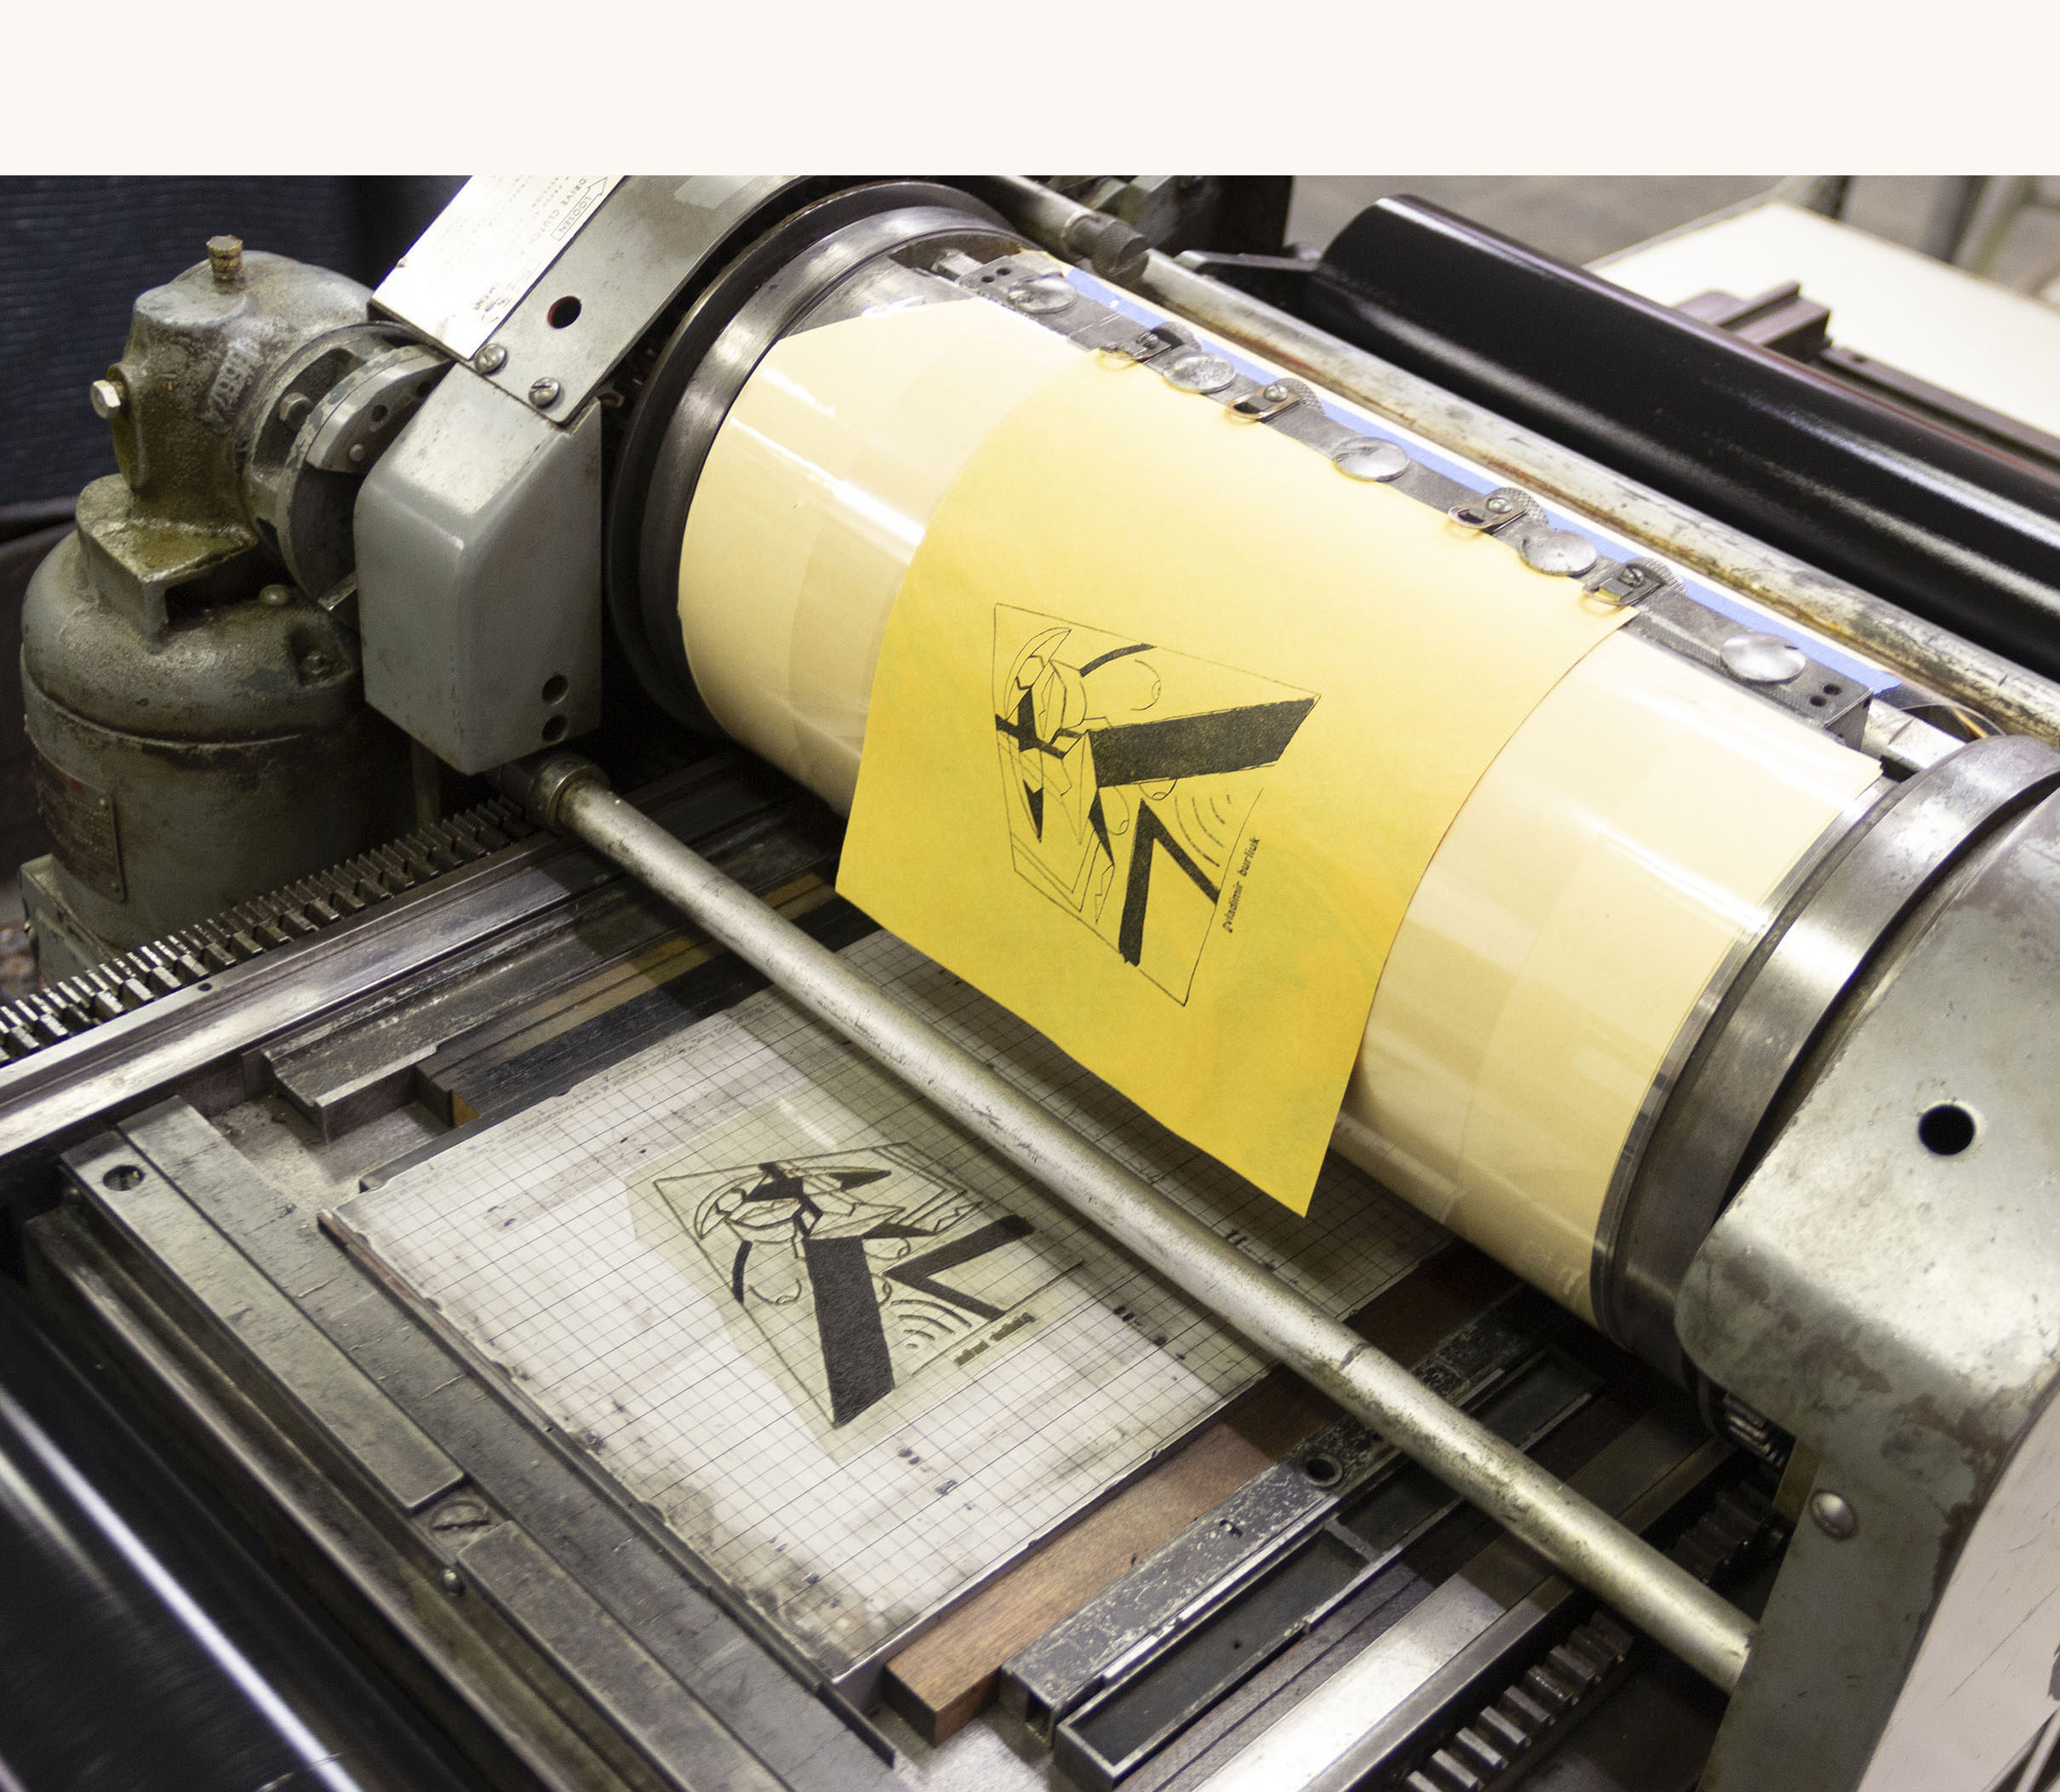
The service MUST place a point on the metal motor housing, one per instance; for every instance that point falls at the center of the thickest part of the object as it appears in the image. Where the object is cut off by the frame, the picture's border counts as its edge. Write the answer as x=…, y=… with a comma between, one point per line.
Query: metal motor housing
x=190, y=669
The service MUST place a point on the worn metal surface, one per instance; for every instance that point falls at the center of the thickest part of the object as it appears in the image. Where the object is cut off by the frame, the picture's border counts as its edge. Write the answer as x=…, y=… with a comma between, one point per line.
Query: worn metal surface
x=199, y=350
x=175, y=774
x=206, y=1028
x=1773, y=1009
x=319, y=426
x=178, y=724
x=1147, y=1703
x=620, y=1639
x=227, y=1292
x=1194, y=1572
x=112, y=985
x=617, y=1675
x=142, y=1642
x=701, y=368
x=1979, y=1703
x=1456, y=1646
x=479, y=576
x=1919, y=650
x=651, y=237
x=1806, y=688
x=1711, y=1635
x=1881, y=1286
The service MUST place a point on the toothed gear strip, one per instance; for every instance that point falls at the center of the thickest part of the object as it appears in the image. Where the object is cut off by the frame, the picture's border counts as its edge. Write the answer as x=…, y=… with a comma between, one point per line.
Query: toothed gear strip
x=299, y=910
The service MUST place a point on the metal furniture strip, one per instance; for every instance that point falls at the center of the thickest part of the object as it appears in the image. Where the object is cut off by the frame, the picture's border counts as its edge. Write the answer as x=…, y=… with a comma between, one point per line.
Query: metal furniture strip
x=1369, y=1712
x=469, y=1695
x=1239, y=1538
x=276, y=1337
x=620, y=1679
x=769, y=1706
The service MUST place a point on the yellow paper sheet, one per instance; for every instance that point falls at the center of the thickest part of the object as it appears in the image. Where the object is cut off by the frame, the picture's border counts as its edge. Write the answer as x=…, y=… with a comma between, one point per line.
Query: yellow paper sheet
x=1137, y=626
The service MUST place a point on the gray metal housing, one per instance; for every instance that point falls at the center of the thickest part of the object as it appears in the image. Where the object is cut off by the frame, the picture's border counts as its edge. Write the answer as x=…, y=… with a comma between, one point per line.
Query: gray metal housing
x=479, y=576
x=1883, y=1286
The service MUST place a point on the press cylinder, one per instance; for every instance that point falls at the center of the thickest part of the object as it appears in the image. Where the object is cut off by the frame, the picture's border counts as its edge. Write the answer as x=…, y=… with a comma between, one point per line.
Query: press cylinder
x=1646, y=818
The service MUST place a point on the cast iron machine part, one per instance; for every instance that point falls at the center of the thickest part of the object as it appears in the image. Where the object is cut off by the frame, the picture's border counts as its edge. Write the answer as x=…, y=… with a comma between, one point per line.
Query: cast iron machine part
x=494, y=515
x=189, y=665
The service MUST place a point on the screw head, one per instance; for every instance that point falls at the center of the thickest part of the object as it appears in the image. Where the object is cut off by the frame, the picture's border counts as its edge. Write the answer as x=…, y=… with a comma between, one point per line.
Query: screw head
x=544, y=394
x=1041, y=297
x=106, y=397
x=1371, y=459
x=1832, y=1514
x=276, y=597
x=1754, y=658
x=451, y=1582
x=1199, y=371
x=491, y=359
x=1560, y=551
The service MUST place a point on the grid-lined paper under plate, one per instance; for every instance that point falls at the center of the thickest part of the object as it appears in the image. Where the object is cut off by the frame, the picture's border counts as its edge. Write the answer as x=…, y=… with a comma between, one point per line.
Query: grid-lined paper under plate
x=855, y=1360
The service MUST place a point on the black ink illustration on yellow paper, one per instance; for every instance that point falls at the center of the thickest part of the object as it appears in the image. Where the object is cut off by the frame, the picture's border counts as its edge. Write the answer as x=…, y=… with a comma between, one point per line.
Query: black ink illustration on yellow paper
x=1130, y=772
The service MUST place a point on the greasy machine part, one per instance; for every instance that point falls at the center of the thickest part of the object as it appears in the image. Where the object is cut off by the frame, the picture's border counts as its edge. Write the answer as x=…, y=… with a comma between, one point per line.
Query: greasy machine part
x=1638, y=827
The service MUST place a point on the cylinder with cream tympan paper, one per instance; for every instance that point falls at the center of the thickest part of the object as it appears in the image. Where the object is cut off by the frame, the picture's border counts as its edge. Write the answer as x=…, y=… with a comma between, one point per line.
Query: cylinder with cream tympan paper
x=1627, y=833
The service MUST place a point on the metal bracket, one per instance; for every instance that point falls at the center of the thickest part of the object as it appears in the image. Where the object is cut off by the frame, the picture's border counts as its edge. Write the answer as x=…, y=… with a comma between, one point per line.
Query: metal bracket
x=1493, y=513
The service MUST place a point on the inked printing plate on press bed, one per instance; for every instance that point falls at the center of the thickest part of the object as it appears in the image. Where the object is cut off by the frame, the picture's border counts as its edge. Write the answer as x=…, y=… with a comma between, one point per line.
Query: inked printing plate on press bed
x=853, y=1361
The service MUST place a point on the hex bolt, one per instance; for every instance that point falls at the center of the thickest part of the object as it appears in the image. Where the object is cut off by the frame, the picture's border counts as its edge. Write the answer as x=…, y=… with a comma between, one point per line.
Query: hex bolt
x=226, y=259
x=491, y=359
x=1833, y=1515
x=315, y=665
x=544, y=394
x=294, y=406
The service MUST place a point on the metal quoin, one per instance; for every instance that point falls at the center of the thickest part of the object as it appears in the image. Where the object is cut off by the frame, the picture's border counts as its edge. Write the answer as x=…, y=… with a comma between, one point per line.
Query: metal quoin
x=571, y=795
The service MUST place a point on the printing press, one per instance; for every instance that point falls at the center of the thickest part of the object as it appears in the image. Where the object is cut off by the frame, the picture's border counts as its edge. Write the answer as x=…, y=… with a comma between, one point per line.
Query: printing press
x=961, y=984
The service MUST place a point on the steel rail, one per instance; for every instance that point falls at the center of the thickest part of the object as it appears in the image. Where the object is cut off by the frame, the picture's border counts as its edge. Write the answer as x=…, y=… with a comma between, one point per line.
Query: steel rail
x=2021, y=700
x=570, y=795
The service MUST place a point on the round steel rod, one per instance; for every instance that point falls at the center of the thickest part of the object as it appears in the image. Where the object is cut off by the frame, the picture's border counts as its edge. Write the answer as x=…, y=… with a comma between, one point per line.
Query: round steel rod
x=2020, y=700
x=1663, y=1599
